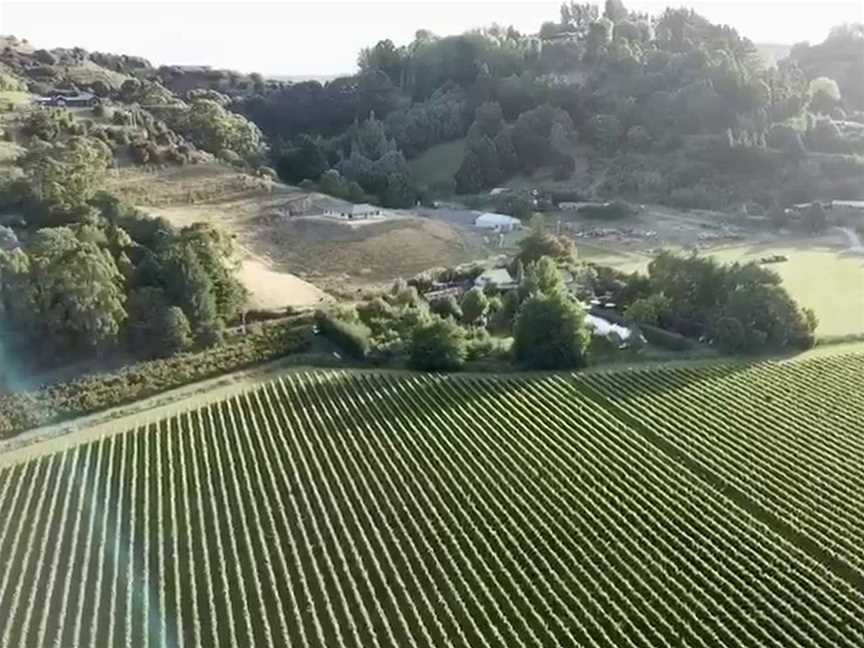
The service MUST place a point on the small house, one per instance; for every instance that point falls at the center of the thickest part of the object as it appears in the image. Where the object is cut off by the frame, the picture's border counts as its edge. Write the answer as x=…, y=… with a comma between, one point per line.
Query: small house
x=497, y=222
x=354, y=212
x=498, y=278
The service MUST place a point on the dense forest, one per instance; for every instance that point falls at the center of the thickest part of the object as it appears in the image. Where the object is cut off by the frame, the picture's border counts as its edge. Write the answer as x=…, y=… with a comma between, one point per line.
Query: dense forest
x=667, y=108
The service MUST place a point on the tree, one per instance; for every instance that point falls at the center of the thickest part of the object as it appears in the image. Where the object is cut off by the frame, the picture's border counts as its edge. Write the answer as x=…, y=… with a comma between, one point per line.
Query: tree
x=210, y=127
x=75, y=291
x=489, y=118
x=577, y=17
x=541, y=276
x=539, y=244
x=769, y=317
x=550, y=333
x=438, y=345
x=145, y=307
x=730, y=336
x=519, y=204
x=385, y=56
x=474, y=306
x=816, y=220
x=61, y=179
x=549, y=30
x=648, y=310
x=47, y=123
x=615, y=11
x=306, y=160
x=447, y=307
x=214, y=249
x=604, y=132
x=191, y=289
x=824, y=95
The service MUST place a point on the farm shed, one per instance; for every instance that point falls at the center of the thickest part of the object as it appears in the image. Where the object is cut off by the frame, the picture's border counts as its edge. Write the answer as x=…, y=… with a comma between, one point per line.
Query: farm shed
x=499, y=222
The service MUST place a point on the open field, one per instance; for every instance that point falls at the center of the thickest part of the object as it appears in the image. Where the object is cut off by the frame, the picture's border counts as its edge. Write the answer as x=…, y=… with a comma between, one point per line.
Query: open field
x=356, y=509
x=830, y=280
x=327, y=253
x=335, y=254
x=438, y=163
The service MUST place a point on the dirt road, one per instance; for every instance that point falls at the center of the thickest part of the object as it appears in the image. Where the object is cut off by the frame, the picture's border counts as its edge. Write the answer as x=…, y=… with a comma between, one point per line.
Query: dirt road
x=855, y=244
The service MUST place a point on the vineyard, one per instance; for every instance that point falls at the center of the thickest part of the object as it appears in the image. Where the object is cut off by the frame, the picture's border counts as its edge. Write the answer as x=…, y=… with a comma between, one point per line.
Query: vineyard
x=715, y=507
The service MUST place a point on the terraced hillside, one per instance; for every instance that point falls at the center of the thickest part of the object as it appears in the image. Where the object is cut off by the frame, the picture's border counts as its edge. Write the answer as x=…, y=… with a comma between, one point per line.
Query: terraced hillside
x=360, y=509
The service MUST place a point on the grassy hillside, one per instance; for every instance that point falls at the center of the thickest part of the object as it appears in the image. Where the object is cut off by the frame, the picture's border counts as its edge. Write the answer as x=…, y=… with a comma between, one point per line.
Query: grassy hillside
x=358, y=509
x=438, y=163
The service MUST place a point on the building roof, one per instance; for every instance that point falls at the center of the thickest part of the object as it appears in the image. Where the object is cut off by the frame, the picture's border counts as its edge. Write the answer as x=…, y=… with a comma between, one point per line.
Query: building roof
x=362, y=208
x=491, y=218
x=496, y=276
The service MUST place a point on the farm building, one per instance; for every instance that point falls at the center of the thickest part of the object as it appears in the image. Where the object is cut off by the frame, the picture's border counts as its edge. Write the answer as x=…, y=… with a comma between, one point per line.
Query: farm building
x=498, y=222
x=354, y=212
x=499, y=278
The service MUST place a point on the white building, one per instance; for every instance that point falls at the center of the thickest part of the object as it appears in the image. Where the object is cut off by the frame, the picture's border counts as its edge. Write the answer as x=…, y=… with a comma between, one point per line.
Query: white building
x=497, y=222
x=499, y=278
x=354, y=212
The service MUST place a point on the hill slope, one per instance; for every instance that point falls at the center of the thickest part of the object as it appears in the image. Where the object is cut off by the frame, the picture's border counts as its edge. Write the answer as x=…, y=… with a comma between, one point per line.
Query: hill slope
x=364, y=509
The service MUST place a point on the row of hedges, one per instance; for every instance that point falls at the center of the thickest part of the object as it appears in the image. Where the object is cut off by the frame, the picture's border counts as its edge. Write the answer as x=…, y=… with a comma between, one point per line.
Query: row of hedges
x=56, y=403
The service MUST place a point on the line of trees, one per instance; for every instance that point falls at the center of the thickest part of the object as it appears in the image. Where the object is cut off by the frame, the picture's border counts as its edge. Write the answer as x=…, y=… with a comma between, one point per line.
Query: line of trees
x=96, y=275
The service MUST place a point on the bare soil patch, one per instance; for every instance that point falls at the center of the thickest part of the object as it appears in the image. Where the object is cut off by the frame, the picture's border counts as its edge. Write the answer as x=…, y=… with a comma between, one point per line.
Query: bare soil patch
x=262, y=216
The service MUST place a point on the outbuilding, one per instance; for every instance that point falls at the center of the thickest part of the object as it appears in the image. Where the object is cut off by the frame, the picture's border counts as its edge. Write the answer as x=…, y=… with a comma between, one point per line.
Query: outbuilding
x=354, y=212
x=499, y=278
x=497, y=222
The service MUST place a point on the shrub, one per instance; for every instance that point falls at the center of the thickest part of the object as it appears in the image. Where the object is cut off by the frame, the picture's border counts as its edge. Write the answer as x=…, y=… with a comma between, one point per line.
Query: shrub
x=648, y=310
x=665, y=339
x=351, y=337
x=47, y=123
x=474, y=306
x=481, y=345
x=608, y=211
x=550, y=333
x=438, y=345
x=22, y=411
x=446, y=307
x=730, y=335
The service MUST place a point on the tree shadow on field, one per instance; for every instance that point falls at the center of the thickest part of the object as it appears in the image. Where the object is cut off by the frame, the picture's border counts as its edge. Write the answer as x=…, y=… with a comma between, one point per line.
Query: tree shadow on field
x=634, y=383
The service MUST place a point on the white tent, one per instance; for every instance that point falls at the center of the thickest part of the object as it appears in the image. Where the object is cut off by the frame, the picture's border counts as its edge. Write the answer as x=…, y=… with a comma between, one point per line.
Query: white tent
x=500, y=222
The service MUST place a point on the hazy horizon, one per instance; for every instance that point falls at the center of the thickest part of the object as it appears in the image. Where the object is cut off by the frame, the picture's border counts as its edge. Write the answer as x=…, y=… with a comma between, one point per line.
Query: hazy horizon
x=323, y=38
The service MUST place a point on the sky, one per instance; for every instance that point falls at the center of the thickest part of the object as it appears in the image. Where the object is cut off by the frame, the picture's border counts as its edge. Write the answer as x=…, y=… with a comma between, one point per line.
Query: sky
x=323, y=37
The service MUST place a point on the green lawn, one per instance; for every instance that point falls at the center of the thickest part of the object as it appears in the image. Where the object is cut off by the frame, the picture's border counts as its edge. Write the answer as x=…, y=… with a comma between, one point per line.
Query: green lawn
x=13, y=97
x=437, y=164
x=828, y=280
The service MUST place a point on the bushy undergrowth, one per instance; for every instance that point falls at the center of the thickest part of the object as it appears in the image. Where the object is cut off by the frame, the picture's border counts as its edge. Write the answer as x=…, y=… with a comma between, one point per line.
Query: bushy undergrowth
x=55, y=403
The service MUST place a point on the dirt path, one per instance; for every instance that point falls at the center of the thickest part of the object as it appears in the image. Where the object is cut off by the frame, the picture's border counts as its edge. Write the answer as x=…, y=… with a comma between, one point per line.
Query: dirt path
x=271, y=290
x=51, y=438
x=855, y=244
